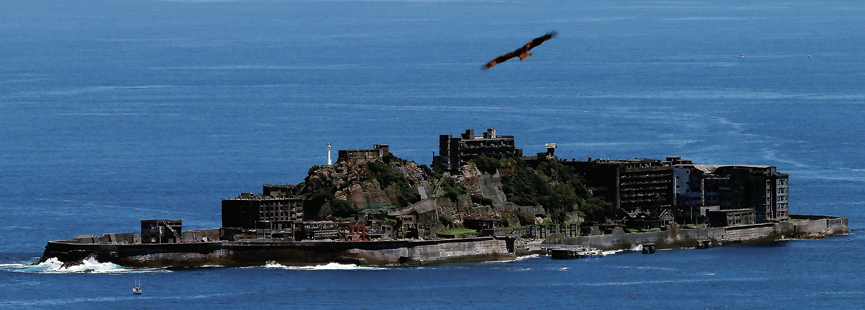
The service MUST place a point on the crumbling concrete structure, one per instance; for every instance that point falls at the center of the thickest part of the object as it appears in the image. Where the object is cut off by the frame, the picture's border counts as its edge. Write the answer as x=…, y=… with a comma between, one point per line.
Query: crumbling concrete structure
x=457, y=151
x=271, y=214
x=377, y=151
x=161, y=231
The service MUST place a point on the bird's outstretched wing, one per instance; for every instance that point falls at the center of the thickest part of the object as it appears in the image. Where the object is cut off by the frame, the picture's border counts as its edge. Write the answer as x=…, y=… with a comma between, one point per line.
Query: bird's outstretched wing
x=522, y=52
x=500, y=59
x=537, y=41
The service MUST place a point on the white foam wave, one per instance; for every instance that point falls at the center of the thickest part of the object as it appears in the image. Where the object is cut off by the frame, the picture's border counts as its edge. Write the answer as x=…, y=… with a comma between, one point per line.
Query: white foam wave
x=89, y=265
x=611, y=252
x=525, y=257
x=329, y=266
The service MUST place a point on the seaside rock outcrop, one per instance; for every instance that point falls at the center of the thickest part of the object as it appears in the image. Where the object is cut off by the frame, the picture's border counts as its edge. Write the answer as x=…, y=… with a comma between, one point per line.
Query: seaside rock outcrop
x=375, y=183
x=370, y=182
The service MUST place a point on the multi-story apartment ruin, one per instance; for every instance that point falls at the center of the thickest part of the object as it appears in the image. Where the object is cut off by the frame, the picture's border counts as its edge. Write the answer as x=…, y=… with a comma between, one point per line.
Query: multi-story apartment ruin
x=757, y=187
x=457, y=151
x=651, y=186
x=630, y=184
x=275, y=211
x=687, y=190
x=377, y=151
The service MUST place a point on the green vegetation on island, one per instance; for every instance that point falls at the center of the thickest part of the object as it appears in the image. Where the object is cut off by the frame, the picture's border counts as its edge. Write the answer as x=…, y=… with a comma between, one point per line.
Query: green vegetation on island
x=348, y=188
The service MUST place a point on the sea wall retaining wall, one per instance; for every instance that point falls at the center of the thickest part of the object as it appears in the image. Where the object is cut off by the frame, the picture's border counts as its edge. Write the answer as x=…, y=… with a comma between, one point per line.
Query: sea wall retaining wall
x=259, y=252
x=123, y=249
x=802, y=227
x=474, y=249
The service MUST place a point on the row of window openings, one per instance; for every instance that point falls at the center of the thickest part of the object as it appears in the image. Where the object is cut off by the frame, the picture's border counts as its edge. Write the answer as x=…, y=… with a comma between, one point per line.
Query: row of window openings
x=708, y=198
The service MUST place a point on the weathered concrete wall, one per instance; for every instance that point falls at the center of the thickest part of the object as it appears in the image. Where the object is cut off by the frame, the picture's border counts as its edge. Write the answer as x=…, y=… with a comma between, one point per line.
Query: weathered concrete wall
x=456, y=250
x=205, y=235
x=259, y=252
x=816, y=227
x=752, y=233
x=619, y=240
x=111, y=247
x=438, y=251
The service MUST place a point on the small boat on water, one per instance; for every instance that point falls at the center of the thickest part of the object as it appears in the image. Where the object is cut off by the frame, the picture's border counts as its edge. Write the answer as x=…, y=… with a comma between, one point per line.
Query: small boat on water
x=137, y=288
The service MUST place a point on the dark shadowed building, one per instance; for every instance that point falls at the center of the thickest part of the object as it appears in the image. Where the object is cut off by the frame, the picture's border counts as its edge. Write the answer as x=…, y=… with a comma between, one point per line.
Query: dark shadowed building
x=457, y=151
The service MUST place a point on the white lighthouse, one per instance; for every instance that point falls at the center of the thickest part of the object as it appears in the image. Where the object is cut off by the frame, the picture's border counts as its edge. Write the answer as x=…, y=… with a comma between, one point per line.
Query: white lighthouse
x=329, y=161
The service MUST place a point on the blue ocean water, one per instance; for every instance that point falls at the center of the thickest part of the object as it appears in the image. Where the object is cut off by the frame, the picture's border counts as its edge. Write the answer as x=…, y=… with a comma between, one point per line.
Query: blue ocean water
x=117, y=111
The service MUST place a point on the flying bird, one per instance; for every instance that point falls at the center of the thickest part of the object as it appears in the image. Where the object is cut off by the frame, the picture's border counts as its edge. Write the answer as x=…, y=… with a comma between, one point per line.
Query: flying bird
x=522, y=52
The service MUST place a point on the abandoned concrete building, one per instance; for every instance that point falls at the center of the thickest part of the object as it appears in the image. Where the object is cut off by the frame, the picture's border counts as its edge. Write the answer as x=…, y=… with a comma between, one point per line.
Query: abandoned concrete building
x=649, y=187
x=274, y=212
x=630, y=184
x=732, y=217
x=457, y=151
x=687, y=190
x=161, y=231
x=377, y=151
x=640, y=219
x=757, y=187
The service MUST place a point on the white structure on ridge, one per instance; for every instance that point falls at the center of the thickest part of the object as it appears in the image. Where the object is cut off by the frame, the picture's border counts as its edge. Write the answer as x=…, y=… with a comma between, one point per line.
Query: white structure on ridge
x=329, y=160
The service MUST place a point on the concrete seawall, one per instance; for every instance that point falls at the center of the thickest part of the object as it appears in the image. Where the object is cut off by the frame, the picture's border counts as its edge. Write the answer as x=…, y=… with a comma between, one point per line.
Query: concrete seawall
x=803, y=226
x=259, y=252
x=454, y=250
x=126, y=250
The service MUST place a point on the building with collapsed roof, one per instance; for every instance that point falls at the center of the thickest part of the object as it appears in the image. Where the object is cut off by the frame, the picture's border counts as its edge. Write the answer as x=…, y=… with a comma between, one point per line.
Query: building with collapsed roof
x=685, y=189
x=274, y=212
x=457, y=151
x=758, y=187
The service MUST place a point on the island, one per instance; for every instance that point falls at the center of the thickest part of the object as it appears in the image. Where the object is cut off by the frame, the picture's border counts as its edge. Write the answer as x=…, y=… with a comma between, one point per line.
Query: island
x=482, y=199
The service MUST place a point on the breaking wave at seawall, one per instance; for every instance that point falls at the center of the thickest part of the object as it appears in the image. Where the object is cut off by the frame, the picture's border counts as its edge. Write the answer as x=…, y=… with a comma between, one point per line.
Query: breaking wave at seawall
x=329, y=266
x=611, y=252
x=88, y=265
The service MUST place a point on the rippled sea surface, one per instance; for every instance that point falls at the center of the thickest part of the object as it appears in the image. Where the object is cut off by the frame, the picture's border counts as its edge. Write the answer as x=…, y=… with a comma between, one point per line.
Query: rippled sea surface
x=117, y=111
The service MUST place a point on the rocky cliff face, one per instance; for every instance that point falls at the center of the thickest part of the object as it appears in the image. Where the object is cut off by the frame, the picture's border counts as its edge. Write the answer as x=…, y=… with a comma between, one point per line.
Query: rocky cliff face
x=398, y=184
x=369, y=182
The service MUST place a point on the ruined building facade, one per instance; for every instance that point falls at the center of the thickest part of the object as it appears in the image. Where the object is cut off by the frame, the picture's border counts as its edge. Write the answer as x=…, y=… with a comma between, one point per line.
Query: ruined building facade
x=275, y=211
x=630, y=184
x=687, y=190
x=377, y=151
x=457, y=151
x=653, y=187
x=757, y=187
x=161, y=231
